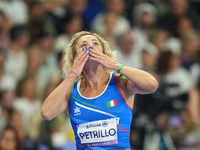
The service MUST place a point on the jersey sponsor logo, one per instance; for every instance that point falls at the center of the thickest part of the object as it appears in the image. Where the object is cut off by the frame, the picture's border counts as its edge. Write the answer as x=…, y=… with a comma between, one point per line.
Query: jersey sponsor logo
x=112, y=103
x=93, y=125
x=77, y=111
x=105, y=123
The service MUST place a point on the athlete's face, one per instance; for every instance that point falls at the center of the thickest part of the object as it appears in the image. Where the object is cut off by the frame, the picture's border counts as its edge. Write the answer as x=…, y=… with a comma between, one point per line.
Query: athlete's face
x=88, y=41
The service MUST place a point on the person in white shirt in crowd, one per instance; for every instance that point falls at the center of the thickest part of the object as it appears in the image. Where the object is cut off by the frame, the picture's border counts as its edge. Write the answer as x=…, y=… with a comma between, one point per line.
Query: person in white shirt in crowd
x=26, y=101
x=16, y=10
x=190, y=45
x=45, y=43
x=122, y=25
x=128, y=54
x=16, y=59
x=7, y=81
x=144, y=20
x=173, y=75
x=150, y=56
x=37, y=69
x=110, y=22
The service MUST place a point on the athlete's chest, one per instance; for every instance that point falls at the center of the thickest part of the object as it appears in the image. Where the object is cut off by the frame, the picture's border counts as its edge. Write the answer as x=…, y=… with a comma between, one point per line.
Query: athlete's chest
x=106, y=106
x=89, y=93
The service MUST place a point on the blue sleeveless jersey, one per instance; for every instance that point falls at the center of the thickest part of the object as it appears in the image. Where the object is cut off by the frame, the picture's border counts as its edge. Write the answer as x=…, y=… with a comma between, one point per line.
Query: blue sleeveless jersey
x=89, y=116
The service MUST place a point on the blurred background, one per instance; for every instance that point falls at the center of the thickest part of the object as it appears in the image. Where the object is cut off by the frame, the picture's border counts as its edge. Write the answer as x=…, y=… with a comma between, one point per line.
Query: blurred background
x=158, y=36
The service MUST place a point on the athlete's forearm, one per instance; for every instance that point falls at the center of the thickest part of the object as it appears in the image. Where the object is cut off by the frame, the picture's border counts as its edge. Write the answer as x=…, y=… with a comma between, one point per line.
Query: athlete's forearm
x=143, y=81
x=57, y=101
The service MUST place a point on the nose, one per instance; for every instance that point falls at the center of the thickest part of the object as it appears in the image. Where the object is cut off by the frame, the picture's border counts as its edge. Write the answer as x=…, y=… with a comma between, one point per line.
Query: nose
x=90, y=45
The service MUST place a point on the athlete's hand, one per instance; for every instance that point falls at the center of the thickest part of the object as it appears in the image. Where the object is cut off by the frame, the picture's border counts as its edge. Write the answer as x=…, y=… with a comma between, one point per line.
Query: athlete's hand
x=103, y=59
x=80, y=61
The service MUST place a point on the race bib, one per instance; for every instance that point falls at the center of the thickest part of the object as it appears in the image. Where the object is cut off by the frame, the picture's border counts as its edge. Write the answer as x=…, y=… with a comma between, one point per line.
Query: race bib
x=98, y=133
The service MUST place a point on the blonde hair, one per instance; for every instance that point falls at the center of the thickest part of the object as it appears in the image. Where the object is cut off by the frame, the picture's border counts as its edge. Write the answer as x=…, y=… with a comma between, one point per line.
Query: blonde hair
x=70, y=50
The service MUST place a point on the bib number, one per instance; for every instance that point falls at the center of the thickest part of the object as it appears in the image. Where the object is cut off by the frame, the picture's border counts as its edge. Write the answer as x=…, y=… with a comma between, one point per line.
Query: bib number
x=98, y=133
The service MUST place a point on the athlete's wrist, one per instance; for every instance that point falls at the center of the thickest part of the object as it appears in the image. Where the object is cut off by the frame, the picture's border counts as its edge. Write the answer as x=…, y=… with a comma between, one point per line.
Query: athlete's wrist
x=116, y=66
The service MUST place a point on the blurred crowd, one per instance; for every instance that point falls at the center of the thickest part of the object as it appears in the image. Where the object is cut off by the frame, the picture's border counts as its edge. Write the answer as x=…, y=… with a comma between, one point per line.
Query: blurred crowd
x=158, y=36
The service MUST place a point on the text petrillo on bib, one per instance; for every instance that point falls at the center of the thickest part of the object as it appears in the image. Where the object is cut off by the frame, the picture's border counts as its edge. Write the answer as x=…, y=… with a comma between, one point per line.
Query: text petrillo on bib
x=98, y=133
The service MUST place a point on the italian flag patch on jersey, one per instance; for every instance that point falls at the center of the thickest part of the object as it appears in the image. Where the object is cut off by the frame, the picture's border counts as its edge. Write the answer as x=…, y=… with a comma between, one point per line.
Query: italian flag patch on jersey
x=112, y=103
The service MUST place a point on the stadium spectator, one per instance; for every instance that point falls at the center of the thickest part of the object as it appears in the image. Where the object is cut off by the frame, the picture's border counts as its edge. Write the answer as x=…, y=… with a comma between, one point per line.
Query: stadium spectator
x=9, y=139
x=122, y=24
x=16, y=60
x=72, y=24
x=26, y=101
x=127, y=52
x=5, y=26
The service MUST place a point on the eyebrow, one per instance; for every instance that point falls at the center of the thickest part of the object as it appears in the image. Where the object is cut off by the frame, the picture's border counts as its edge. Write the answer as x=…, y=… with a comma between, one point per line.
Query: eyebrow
x=84, y=42
x=94, y=40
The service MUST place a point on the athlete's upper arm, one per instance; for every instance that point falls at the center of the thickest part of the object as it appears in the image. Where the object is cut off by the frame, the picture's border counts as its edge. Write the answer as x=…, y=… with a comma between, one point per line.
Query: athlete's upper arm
x=132, y=88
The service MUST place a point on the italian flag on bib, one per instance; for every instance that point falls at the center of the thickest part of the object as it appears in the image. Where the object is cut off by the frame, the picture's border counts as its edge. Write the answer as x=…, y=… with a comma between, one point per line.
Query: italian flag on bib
x=112, y=103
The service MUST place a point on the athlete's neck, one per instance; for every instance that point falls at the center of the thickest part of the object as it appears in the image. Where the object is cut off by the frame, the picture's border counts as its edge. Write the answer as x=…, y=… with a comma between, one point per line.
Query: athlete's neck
x=95, y=76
